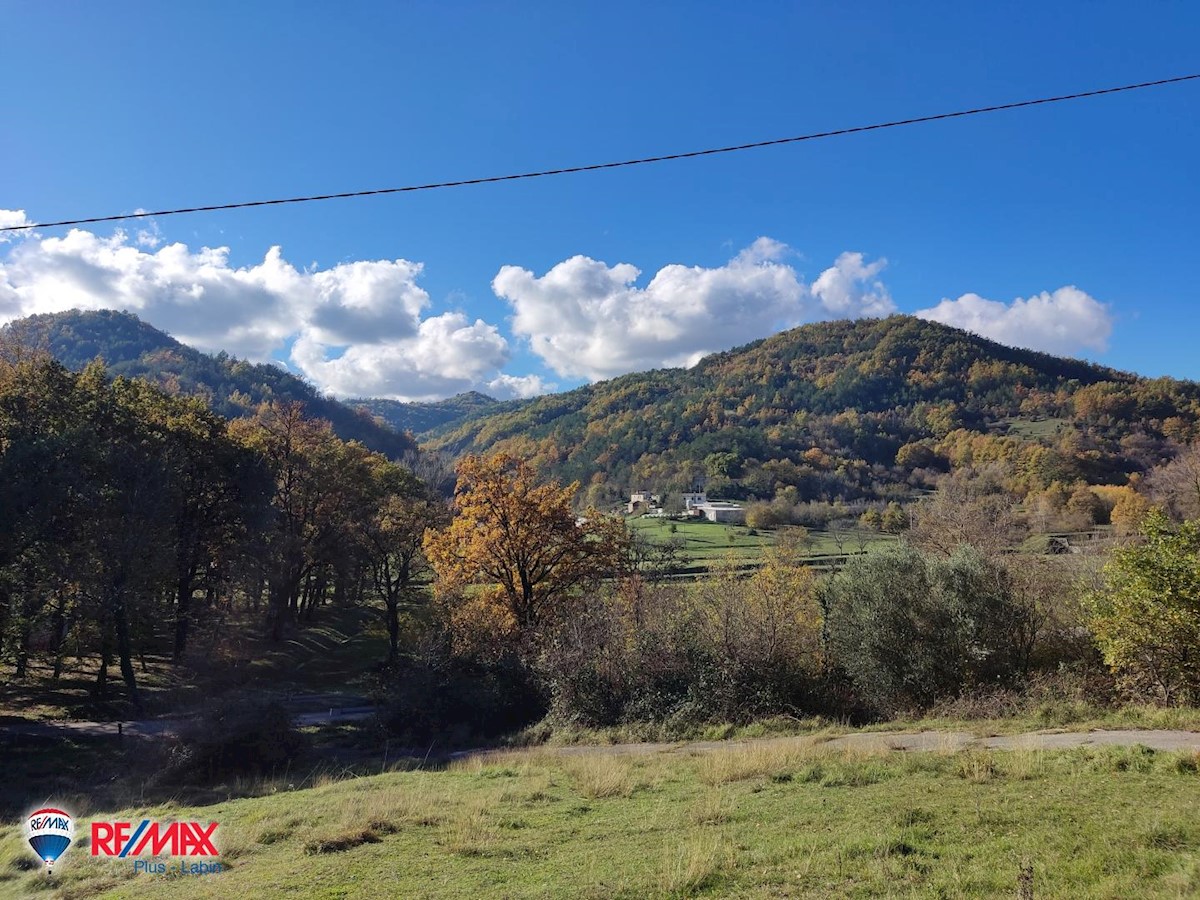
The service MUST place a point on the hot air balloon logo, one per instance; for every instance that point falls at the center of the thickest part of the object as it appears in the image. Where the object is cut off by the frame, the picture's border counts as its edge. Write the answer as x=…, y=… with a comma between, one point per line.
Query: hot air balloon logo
x=50, y=831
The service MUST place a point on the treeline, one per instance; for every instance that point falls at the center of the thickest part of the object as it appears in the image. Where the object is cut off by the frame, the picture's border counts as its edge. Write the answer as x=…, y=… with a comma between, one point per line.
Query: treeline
x=131, y=517
x=232, y=387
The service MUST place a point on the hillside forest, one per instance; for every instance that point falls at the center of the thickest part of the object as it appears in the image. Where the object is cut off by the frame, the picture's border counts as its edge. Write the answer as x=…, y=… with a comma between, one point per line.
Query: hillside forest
x=138, y=521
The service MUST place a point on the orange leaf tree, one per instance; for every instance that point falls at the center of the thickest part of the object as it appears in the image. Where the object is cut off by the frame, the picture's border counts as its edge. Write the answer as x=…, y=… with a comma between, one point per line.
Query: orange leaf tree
x=520, y=540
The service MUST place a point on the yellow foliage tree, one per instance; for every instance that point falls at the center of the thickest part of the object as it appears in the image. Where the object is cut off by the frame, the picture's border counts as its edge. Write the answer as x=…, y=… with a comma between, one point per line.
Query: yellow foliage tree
x=519, y=542
x=1146, y=618
x=768, y=624
x=1129, y=511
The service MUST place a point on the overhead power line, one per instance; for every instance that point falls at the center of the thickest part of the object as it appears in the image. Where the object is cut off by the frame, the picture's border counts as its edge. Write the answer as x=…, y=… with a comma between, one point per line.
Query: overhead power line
x=595, y=167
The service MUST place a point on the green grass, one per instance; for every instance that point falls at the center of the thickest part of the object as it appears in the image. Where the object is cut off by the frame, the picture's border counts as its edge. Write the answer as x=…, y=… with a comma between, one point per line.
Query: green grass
x=778, y=820
x=708, y=543
x=1033, y=429
x=1050, y=716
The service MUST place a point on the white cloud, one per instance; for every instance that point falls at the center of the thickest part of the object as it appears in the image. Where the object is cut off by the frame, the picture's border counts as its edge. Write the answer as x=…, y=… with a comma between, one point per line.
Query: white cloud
x=364, y=328
x=1065, y=322
x=507, y=387
x=850, y=288
x=588, y=319
x=359, y=328
x=11, y=218
x=446, y=355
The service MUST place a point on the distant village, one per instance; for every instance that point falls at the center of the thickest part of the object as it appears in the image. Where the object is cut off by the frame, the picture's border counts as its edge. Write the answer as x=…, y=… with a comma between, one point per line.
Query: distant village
x=696, y=505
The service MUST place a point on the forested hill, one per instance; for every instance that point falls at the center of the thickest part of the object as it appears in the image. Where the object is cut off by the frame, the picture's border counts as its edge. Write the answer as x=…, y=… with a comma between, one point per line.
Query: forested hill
x=862, y=409
x=422, y=417
x=233, y=387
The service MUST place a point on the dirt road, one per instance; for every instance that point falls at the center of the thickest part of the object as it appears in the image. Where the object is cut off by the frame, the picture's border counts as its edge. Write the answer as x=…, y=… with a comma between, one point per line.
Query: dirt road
x=328, y=709
x=306, y=710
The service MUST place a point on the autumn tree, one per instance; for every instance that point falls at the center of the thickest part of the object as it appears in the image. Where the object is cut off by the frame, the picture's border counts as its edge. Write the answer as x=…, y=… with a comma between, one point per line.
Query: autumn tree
x=1176, y=485
x=320, y=486
x=392, y=537
x=1147, y=616
x=763, y=632
x=1129, y=511
x=519, y=541
x=965, y=511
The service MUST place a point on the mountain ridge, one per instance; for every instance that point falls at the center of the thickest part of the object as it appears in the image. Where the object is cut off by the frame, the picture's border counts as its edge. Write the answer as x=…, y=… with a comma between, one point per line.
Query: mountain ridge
x=134, y=348
x=828, y=407
x=871, y=409
x=419, y=418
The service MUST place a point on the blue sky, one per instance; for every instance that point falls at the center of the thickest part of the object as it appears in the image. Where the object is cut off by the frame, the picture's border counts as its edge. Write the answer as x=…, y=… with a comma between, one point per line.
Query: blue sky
x=1086, y=210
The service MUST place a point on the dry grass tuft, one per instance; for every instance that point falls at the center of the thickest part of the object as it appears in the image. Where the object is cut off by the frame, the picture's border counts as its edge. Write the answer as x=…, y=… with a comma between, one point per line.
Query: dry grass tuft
x=712, y=808
x=761, y=760
x=597, y=777
x=470, y=834
x=976, y=766
x=339, y=843
x=696, y=866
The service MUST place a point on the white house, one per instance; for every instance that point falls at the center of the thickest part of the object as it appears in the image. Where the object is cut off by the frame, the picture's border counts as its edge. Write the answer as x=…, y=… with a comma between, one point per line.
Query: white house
x=722, y=511
x=694, y=499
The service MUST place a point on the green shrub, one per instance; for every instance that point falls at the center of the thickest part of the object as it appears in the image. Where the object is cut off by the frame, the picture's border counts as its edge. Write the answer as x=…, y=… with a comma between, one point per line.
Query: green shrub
x=908, y=629
x=1147, y=617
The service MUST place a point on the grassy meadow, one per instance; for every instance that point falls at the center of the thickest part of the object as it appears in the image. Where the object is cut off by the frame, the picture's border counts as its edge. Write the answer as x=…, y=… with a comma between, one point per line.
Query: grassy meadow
x=709, y=543
x=773, y=819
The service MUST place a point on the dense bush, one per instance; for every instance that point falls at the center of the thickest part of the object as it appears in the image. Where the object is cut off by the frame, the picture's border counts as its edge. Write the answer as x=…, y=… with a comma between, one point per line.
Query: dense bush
x=727, y=649
x=238, y=738
x=1147, y=616
x=432, y=695
x=908, y=629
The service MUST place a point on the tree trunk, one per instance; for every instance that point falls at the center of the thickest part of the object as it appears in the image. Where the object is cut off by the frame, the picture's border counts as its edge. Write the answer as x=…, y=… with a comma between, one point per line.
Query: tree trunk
x=393, y=625
x=105, y=658
x=125, y=652
x=282, y=601
x=276, y=609
x=22, y=661
x=60, y=635
x=183, y=603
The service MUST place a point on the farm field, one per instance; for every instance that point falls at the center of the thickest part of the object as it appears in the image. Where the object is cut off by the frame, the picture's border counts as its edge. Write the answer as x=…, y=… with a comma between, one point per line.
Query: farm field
x=773, y=820
x=707, y=543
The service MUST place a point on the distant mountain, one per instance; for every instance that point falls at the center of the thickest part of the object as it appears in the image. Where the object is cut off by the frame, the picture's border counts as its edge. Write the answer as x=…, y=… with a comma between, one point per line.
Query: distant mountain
x=419, y=418
x=233, y=387
x=863, y=409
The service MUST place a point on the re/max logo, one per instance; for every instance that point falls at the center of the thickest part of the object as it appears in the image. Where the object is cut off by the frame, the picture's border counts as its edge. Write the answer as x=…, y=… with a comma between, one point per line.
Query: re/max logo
x=121, y=839
x=39, y=823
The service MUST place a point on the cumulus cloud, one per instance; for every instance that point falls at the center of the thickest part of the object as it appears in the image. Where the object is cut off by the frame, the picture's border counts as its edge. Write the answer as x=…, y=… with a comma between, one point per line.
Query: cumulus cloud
x=365, y=328
x=850, y=288
x=587, y=319
x=508, y=387
x=358, y=328
x=12, y=218
x=1065, y=322
x=447, y=354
